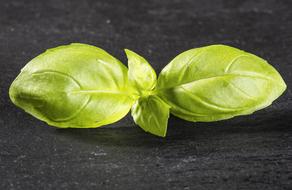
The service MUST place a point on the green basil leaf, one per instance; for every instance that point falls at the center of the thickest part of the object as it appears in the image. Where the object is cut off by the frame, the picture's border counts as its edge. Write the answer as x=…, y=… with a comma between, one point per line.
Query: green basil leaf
x=141, y=75
x=75, y=85
x=151, y=114
x=218, y=82
x=149, y=111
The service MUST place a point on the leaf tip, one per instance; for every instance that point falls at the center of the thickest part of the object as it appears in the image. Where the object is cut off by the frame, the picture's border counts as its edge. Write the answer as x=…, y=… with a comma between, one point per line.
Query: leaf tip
x=158, y=133
x=128, y=52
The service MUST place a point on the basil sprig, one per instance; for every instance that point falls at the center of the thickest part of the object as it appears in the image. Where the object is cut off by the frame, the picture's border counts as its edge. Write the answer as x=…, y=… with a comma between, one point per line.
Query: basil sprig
x=82, y=86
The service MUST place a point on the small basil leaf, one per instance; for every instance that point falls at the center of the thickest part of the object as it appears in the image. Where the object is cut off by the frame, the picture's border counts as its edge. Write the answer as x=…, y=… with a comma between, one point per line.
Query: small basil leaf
x=75, y=85
x=218, y=82
x=151, y=114
x=141, y=75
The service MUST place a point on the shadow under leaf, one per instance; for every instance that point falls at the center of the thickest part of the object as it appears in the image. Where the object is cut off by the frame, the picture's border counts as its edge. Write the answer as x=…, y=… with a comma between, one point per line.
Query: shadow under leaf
x=179, y=130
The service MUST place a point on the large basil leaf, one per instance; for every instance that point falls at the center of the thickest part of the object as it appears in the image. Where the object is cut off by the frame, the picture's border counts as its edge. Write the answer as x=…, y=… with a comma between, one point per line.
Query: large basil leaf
x=151, y=114
x=218, y=82
x=141, y=75
x=74, y=85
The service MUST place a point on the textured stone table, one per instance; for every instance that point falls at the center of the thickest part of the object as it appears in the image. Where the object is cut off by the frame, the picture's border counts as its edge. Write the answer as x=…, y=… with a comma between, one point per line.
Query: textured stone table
x=248, y=152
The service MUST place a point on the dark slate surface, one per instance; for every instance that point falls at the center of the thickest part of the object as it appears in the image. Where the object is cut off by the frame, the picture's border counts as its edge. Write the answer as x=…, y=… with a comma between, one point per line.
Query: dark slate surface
x=249, y=152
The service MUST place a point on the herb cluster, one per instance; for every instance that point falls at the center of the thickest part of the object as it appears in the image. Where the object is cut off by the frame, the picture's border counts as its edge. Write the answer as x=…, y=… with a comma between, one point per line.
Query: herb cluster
x=82, y=86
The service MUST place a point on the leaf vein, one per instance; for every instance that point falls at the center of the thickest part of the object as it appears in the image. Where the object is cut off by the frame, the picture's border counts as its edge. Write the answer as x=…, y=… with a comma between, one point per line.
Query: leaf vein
x=232, y=62
x=211, y=105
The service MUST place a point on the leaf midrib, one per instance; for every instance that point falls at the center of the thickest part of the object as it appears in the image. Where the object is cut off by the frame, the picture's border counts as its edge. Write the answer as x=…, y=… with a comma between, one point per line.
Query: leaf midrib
x=218, y=76
x=101, y=92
